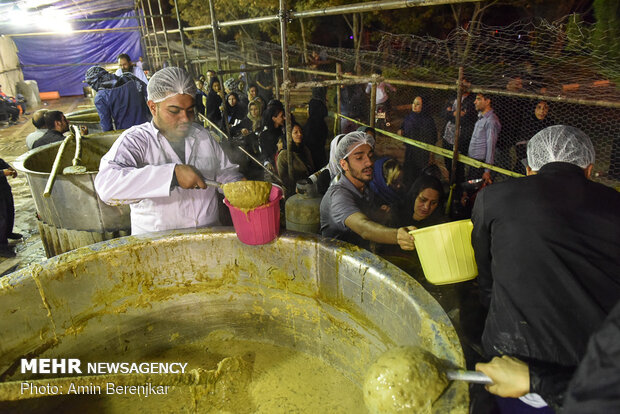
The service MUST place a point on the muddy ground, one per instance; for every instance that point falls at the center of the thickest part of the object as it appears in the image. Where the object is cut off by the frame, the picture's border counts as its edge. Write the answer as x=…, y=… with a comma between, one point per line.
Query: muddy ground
x=12, y=145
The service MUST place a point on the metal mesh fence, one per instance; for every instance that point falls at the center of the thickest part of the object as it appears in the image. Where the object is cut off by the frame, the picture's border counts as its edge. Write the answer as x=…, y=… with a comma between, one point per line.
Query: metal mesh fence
x=536, y=73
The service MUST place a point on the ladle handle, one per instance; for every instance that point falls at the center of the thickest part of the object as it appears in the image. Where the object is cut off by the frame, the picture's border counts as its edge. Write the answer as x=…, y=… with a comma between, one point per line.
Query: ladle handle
x=52, y=177
x=78, y=145
x=470, y=376
x=213, y=183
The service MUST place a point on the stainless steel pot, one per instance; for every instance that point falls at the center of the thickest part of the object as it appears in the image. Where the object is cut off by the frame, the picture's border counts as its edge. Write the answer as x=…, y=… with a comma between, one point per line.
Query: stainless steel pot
x=127, y=297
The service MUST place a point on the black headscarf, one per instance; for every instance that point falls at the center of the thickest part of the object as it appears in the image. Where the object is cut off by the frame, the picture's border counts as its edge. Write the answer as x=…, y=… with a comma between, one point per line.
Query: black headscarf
x=98, y=78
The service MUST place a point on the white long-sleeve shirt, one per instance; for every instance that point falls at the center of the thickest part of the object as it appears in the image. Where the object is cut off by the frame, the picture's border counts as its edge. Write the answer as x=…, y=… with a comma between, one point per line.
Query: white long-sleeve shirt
x=137, y=72
x=139, y=168
x=382, y=94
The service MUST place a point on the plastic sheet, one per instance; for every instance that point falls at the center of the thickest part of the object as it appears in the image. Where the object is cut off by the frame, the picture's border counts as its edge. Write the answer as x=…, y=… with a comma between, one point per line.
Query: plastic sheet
x=78, y=48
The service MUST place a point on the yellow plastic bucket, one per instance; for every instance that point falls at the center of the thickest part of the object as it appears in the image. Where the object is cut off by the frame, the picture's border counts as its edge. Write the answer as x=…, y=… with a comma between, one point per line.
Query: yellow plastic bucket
x=446, y=253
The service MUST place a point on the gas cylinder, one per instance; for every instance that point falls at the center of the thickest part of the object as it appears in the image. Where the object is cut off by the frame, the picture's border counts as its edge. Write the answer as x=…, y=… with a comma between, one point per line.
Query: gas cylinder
x=302, y=210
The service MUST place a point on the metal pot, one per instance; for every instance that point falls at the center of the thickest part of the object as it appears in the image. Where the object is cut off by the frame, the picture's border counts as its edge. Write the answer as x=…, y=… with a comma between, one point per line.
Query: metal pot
x=73, y=216
x=128, y=297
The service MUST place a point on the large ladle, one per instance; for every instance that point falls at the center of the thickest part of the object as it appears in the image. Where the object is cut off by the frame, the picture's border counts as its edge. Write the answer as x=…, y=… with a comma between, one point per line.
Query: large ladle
x=410, y=379
x=244, y=194
x=74, y=168
x=260, y=164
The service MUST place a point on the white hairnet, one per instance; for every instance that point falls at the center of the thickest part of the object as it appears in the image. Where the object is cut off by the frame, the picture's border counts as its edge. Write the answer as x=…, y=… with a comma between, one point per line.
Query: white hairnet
x=560, y=143
x=333, y=165
x=168, y=82
x=351, y=142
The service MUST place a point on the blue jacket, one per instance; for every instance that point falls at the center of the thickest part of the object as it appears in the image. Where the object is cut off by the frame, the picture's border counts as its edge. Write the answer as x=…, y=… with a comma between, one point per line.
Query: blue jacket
x=122, y=107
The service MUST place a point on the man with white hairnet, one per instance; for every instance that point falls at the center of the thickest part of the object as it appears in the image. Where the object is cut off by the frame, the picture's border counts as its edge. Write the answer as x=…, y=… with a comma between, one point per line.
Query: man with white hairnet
x=346, y=205
x=159, y=167
x=548, y=253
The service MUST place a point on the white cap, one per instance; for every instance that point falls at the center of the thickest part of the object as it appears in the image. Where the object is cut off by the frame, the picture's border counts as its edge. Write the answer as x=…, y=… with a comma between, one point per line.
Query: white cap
x=168, y=82
x=560, y=143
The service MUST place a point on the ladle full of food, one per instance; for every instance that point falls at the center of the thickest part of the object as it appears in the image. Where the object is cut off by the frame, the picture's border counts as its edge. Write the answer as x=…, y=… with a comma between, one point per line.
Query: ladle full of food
x=410, y=379
x=254, y=208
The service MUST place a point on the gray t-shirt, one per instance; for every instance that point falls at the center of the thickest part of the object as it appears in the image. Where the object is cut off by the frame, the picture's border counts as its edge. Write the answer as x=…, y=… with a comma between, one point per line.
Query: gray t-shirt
x=33, y=136
x=340, y=201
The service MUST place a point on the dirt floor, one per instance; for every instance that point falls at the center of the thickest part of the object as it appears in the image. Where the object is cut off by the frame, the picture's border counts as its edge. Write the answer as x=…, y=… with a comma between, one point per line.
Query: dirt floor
x=13, y=144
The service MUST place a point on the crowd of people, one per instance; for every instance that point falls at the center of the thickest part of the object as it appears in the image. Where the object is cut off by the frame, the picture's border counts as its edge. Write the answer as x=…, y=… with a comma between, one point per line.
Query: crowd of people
x=547, y=245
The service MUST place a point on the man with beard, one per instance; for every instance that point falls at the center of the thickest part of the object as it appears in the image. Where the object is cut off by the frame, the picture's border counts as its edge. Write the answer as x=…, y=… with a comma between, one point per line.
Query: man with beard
x=159, y=167
x=347, y=205
x=125, y=66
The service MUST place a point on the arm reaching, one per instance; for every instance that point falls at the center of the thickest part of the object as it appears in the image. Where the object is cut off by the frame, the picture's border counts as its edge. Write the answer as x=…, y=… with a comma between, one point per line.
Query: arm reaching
x=370, y=230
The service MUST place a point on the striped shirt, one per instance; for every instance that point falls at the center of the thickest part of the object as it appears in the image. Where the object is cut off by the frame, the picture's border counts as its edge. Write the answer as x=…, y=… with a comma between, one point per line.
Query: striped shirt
x=484, y=138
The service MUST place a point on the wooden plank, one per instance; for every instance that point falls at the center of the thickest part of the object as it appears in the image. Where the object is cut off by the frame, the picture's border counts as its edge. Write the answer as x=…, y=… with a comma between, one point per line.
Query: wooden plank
x=44, y=233
x=9, y=264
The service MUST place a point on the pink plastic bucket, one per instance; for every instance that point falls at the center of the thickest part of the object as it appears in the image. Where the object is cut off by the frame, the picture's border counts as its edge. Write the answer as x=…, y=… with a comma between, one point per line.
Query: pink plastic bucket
x=261, y=225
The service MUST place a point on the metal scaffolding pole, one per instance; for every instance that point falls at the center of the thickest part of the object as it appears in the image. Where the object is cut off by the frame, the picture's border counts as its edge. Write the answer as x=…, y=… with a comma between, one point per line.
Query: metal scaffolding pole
x=373, y=101
x=337, y=129
x=344, y=9
x=457, y=127
x=214, y=29
x=145, y=39
x=185, y=58
x=119, y=29
x=148, y=54
x=287, y=94
x=103, y=19
x=158, y=59
x=163, y=26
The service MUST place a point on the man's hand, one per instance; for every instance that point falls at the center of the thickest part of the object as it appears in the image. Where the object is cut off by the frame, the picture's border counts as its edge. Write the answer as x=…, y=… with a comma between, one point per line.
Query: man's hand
x=511, y=377
x=404, y=239
x=10, y=172
x=486, y=176
x=188, y=177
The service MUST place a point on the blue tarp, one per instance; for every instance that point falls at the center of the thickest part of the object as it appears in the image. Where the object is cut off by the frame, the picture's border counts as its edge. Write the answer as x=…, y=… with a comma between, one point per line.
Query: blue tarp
x=76, y=48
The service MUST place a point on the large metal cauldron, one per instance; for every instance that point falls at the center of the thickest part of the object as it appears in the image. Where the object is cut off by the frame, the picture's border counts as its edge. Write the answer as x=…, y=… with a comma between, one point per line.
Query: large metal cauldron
x=130, y=298
x=73, y=216
x=86, y=117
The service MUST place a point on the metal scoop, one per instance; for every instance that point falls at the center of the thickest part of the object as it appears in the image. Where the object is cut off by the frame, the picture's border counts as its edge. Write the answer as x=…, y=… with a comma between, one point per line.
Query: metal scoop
x=475, y=377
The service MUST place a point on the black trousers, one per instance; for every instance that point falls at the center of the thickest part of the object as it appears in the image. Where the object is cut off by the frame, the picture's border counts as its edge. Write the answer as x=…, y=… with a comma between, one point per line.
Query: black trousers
x=7, y=215
x=9, y=111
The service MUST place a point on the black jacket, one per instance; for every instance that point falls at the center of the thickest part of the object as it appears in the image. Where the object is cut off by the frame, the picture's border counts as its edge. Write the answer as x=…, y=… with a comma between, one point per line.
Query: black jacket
x=50, y=136
x=595, y=388
x=213, y=107
x=4, y=183
x=548, y=253
x=316, y=131
x=268, y=141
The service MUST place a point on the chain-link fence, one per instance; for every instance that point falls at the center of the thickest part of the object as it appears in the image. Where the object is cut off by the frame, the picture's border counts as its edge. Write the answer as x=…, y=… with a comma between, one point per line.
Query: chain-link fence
x=535, y=73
